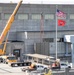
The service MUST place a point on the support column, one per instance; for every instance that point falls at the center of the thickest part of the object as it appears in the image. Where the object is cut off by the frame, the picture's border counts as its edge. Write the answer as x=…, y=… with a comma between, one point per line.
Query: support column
x=66, y=48
x=72, y=50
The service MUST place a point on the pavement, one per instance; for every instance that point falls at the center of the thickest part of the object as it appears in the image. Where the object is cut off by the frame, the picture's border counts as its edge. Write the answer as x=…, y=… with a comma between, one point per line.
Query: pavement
x=5, y=69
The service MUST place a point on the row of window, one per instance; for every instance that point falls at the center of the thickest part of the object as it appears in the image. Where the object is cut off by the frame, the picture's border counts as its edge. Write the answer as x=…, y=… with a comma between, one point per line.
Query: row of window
x=52, y=40
x=35, y=16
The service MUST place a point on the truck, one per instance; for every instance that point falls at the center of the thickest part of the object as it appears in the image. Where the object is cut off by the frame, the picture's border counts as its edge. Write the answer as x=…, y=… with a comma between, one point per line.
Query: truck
x=35, y=67
x=13, y=62
x=8, y=59
x=3, y=57
x=6, y=31
x=60, y=65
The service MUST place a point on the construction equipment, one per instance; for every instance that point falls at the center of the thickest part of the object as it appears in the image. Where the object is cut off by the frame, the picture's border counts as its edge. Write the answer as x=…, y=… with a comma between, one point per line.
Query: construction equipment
x=5, y=32
x=49, y=73
x=10, y=59
x=2, y=51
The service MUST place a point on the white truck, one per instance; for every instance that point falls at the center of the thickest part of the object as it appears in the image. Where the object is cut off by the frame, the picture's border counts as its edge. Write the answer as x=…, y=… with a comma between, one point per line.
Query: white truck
x=62, y=65
x=34, y=68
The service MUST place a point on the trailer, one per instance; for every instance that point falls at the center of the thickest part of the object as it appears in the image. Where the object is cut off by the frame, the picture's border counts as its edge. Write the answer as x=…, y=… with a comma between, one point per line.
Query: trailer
x=16, y=64
x=12, y=61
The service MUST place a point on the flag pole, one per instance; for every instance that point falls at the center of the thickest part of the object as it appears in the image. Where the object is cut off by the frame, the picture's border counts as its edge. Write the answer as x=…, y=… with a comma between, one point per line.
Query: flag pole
x=56, y=31
x=59, y=22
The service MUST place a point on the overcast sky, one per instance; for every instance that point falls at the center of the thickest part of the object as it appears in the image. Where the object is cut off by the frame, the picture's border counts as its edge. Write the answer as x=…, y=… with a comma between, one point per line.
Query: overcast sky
x=40, y=1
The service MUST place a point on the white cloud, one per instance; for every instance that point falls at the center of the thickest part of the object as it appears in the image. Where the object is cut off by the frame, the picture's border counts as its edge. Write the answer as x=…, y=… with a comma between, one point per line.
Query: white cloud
x=40, y=1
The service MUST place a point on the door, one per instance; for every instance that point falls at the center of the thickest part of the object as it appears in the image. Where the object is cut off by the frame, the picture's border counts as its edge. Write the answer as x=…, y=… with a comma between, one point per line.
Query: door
x=16, y=52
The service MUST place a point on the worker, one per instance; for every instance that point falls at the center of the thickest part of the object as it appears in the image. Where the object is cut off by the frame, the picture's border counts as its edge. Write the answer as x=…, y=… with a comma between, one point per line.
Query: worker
x=54, y=64
x=57, y=63
x=32, y=66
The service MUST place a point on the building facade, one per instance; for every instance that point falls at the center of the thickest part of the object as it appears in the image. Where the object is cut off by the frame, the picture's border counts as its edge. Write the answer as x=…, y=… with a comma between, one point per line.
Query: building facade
x=34, y=29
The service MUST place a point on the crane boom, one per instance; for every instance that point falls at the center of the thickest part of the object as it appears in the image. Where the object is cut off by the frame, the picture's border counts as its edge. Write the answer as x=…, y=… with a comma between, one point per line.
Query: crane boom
x=9, y=22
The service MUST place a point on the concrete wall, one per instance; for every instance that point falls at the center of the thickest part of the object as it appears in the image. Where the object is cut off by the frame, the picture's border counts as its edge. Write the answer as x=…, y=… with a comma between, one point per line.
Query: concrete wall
x=34, y=25
x=15, y=45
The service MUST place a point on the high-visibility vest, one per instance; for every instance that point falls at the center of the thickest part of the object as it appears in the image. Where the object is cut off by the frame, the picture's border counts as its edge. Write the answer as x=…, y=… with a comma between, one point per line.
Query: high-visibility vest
x=53, y=65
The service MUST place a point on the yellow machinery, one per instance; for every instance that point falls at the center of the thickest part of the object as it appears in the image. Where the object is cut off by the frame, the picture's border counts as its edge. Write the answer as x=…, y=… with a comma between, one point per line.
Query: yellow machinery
x=7, y=28
x=49, y=73
x=3, y=57
x=2, y=52
x=9, y=58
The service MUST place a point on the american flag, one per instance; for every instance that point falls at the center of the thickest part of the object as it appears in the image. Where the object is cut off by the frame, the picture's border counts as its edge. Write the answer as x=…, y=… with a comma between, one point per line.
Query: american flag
x=61, y=14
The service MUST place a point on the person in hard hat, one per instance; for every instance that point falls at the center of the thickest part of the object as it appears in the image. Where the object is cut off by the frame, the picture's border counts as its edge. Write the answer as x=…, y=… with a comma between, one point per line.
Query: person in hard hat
x=32, y=66
x=54, y=64
x=57, y=63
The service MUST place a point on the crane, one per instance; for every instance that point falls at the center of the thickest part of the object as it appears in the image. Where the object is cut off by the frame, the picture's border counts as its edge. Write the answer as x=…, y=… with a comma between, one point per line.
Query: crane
x=6, y=58
x=7, y=27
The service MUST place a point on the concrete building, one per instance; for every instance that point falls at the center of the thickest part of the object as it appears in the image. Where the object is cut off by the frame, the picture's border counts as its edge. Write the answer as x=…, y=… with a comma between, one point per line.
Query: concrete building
x=34, y=29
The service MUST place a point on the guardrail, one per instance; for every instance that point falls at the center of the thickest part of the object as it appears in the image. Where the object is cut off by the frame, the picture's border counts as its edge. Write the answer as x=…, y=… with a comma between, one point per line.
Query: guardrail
x=66, y=71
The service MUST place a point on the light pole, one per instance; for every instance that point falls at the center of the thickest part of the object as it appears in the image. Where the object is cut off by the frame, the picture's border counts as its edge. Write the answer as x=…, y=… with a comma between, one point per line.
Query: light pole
x=25, y=42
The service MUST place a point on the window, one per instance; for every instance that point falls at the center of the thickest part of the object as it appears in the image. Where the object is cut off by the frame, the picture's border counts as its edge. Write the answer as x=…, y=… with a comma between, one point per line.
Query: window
x=6, y=16
x=23, y=16
x=11, y=58
x=36, y=16
x=49, y=16
x=60, y=40
x=48, y=40
x=71, y=16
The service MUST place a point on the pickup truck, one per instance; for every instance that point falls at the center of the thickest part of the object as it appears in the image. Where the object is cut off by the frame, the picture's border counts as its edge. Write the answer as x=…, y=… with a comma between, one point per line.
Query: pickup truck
x=62, y=65
x=35, y=68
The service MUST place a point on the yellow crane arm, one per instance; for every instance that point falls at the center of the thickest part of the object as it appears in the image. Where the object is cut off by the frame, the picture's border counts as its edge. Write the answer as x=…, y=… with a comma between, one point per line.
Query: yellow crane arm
x=4, y=48
x=9, y=23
